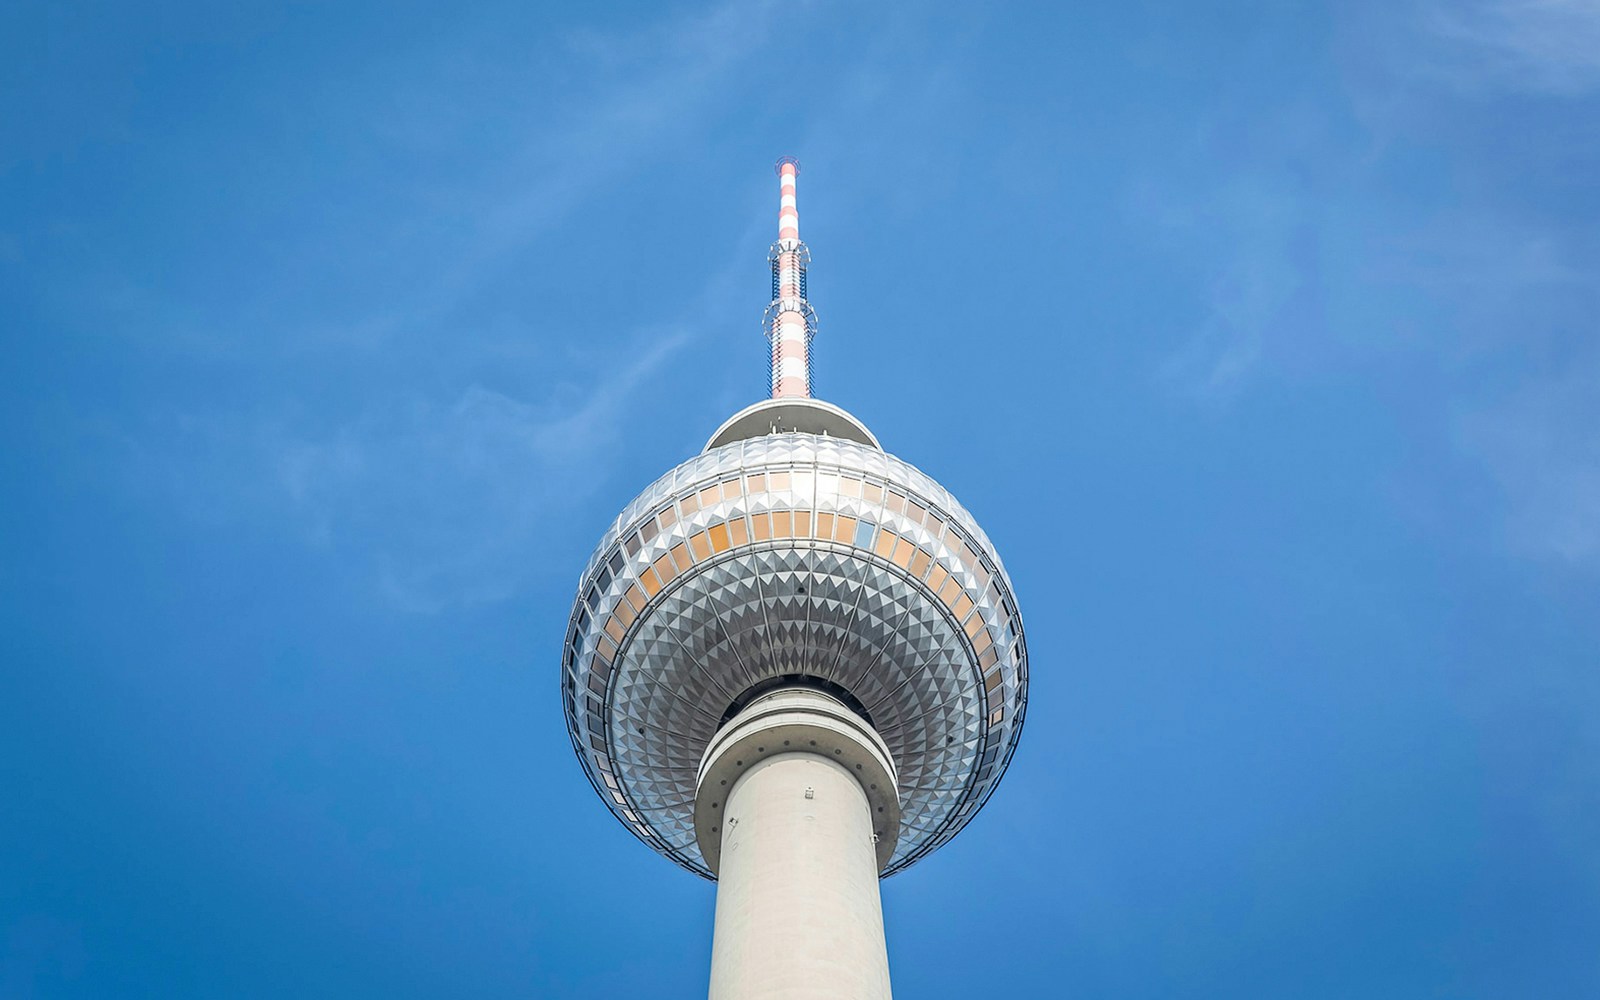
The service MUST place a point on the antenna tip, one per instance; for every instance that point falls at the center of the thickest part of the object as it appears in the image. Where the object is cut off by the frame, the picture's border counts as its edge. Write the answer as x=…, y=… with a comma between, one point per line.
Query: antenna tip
x=786, y=161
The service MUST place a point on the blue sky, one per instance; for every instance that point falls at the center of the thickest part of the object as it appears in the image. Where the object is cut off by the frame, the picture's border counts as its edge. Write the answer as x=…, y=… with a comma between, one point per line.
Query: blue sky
x=1261, y=338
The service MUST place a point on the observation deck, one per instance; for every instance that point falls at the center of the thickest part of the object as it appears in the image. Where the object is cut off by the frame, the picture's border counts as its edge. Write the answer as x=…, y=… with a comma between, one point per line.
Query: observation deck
x=794, y=551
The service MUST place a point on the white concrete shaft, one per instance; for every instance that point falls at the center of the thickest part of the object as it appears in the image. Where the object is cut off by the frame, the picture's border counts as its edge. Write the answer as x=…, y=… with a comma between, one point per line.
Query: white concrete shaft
x=798, y=911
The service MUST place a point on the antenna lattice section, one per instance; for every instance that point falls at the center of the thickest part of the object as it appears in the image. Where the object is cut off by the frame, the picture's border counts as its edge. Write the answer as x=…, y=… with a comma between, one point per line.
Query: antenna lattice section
x=789, y=260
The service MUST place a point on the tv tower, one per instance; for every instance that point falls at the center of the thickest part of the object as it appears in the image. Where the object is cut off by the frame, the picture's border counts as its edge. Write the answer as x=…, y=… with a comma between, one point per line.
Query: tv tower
x=795, y=666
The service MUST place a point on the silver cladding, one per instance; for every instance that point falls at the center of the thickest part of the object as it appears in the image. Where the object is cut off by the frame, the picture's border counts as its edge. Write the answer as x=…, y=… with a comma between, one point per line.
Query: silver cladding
x=948, y=700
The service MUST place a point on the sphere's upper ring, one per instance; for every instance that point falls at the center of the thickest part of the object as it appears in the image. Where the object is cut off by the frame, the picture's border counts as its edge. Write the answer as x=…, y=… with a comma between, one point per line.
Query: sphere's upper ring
x=794, y=555
x=805, y=414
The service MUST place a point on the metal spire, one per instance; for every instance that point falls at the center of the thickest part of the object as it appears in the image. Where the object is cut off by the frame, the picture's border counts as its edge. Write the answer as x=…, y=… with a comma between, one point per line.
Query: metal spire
x=790, y=322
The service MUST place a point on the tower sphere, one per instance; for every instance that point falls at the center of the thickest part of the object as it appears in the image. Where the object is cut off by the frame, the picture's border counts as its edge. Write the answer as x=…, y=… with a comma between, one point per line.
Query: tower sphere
x=794, y=552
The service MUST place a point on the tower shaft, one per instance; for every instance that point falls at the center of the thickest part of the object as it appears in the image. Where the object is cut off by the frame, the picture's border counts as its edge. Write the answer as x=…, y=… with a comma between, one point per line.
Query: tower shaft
x=798, y=792
x=798, y=912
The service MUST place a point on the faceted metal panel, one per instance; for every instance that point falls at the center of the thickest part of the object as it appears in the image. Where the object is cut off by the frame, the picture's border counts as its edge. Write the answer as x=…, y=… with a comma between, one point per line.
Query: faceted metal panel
x=794, y=554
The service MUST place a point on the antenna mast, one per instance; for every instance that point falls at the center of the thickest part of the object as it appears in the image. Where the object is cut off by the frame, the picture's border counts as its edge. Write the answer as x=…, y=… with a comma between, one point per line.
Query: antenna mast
x=790, y=322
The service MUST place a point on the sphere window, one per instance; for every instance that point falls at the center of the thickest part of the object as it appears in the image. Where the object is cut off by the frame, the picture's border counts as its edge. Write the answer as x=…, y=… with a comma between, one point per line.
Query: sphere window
x=864, y=534
x=701, y=545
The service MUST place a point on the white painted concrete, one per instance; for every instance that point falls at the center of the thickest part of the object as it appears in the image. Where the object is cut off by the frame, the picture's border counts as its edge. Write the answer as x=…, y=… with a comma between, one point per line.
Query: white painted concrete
x=798, y=911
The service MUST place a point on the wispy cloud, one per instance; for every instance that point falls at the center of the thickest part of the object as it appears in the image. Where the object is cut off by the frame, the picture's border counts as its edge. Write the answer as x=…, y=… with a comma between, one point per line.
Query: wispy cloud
x=375, y=253
x=439, y=497
x=1477, y=300
x=444, y=504
x=1542, y=446
x=653, y=83
x=429, y=502
x=1312, y=253
x=1536, y=45
x=1252, y=230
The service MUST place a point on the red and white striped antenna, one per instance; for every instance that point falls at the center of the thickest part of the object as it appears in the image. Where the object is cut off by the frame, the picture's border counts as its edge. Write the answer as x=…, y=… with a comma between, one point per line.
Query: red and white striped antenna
x=790, y=322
